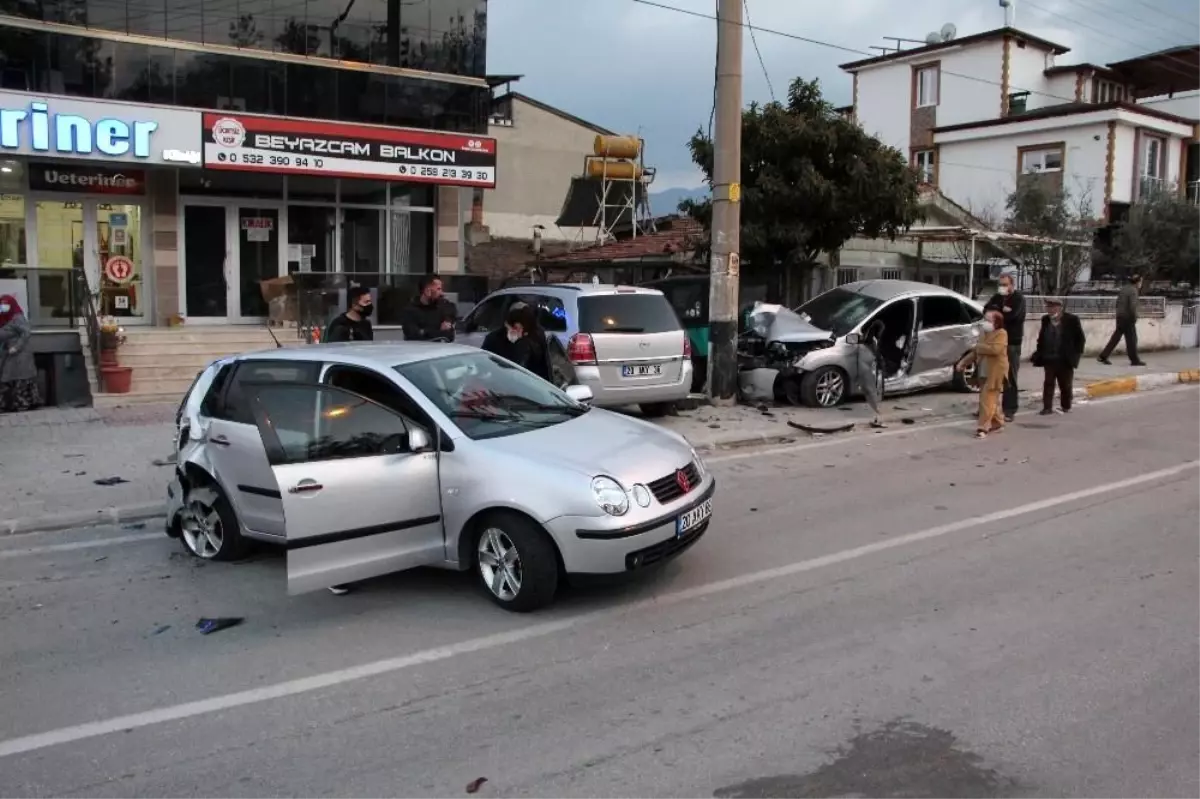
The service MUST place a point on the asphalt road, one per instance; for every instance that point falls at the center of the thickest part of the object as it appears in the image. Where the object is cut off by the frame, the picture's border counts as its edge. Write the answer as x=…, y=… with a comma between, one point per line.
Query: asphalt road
x=909, y=613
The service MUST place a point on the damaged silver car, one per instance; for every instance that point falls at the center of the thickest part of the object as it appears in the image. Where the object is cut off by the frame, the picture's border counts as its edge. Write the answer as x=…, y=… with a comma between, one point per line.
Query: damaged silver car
x=808, y=356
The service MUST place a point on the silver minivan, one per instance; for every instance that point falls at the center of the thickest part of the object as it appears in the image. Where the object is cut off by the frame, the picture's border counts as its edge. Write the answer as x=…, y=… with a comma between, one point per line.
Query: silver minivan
x=926, y=330
x=624, y=343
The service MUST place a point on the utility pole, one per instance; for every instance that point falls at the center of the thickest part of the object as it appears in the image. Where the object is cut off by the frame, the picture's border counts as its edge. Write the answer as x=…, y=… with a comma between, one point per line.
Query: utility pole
x=725, y=263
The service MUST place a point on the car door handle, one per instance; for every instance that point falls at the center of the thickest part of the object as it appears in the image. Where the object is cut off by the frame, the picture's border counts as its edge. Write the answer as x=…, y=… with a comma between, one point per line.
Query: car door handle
x=220, y=441
x=305, y=487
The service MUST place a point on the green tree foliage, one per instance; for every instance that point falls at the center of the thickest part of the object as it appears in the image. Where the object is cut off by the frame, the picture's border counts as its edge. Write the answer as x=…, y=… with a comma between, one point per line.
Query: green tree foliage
x=1040, y=208
x=811, y=181
x=1160, y=239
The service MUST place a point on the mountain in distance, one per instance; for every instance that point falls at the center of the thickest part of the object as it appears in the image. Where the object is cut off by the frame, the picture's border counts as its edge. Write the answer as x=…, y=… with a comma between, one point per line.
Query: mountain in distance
x=665, y=202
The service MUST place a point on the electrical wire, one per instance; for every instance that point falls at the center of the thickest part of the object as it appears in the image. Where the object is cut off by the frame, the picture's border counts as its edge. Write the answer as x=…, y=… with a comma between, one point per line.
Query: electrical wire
x=712, y=115
x=1157, y=10
x=754, y=41
x=1106, y=11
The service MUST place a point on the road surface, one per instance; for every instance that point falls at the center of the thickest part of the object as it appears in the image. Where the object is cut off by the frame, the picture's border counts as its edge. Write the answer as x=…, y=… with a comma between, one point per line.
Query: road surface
x=906, y=613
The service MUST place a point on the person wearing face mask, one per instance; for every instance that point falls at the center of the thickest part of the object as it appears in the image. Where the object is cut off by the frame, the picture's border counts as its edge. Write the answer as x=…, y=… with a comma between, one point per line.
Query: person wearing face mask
x=1059, y=348
x=520, y=340
x=18, y=373
x=355, y=323
x=990, y=357
x=1011, y=305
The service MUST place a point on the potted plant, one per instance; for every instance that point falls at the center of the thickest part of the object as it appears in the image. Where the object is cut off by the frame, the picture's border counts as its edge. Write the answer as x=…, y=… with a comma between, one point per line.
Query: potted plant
x=112, y=336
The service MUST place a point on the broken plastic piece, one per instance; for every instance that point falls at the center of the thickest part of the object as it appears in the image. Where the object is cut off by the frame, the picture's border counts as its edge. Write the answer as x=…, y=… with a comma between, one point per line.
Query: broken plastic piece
x=474, y=785
x=110, y=481
x=207, y=626
x=820, y=430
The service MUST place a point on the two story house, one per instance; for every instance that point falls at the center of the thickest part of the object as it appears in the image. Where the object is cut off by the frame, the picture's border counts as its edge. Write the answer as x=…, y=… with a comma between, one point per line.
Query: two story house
x=978, y=113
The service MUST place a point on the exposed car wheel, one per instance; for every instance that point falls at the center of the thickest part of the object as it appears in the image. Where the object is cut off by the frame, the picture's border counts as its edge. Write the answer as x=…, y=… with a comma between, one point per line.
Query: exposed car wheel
x=515, y=562
x=965, y=382
x=824, y=388
x=208, y=526
x=655, y=410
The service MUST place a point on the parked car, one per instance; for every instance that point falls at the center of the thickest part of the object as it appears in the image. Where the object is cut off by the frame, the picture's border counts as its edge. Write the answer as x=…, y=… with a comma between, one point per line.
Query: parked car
x=927, y=329
x=626, y=344
x=366, y=459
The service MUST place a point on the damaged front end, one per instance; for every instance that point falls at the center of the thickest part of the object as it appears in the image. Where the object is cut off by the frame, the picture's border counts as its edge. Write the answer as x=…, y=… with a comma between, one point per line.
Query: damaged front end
x=772, y=350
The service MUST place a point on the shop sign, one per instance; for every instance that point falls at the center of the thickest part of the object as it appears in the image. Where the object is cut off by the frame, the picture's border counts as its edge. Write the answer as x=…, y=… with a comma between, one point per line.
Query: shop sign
x=86, y=179
x=118, y=269
x=258, y=228
x=294, y=146
x=64, y=127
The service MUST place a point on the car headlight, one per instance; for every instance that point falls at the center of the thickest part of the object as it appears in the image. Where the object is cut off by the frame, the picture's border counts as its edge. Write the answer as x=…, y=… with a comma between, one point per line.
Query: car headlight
x=701, y=469
x=610, y=496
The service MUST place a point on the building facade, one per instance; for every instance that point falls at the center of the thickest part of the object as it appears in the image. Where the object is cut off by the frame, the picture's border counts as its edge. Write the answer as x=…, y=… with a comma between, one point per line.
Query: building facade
x=180, y=153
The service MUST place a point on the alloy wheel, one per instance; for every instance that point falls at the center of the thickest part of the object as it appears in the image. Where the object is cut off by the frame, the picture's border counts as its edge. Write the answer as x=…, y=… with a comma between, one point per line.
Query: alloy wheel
x=500, y=564
x=201, y=526
x=830, y=387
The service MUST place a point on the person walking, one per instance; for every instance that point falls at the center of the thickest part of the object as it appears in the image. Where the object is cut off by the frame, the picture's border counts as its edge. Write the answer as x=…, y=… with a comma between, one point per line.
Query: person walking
x=18, y=372
x=1059, y=347
x=990, y=357
x=431, y=315
x=1126, y=324
x=355, y=323
x=1011, y=304
x=871, y=369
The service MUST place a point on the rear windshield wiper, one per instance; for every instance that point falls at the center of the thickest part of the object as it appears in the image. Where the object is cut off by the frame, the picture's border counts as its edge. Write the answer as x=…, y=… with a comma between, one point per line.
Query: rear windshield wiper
x=624, y=330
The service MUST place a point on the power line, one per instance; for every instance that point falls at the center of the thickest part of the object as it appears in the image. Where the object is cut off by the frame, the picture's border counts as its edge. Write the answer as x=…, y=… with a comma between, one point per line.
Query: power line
x=754, y=41
x=1100, y=7
x=1158, y=10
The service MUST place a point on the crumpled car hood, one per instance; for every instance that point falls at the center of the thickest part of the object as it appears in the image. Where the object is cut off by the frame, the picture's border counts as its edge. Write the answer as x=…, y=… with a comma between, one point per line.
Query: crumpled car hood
x=777, y=323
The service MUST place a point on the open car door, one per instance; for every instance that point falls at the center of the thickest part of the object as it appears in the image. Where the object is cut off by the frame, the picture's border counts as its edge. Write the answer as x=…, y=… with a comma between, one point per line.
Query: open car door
x=359, y=484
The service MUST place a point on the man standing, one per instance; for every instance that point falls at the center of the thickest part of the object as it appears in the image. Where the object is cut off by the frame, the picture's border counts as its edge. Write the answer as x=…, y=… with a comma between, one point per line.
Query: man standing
x=1059, y=348
x=431, y=315
x=1011, y=304
x=1127, y=316
x=355, y=323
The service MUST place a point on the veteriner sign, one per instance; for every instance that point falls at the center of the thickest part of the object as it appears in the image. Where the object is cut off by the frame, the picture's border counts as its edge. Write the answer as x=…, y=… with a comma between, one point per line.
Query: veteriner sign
x=238, y=142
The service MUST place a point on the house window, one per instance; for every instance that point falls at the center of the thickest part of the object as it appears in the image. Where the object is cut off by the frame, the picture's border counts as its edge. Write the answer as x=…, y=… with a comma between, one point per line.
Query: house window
x=1109, y=92
x=927, y=86
x=923, y=161
x=846, y=274
x=1153, y=152
x=1038, y=161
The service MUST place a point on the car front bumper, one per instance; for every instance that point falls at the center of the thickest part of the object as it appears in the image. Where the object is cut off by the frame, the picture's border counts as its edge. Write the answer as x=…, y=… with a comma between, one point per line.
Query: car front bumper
x=615, y=544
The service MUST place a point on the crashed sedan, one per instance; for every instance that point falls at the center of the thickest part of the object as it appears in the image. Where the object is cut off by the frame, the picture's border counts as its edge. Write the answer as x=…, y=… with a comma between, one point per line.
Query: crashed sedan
x=808, y=356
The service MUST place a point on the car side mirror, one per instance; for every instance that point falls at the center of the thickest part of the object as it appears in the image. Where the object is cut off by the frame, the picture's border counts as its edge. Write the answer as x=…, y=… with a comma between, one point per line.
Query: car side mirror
x=418, y=441
x=581, y=394
x=853, y=339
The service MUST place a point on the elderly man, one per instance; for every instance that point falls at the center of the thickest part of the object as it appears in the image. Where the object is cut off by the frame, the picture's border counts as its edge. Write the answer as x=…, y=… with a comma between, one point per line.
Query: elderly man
x=1059, y=348
x=1011, y=305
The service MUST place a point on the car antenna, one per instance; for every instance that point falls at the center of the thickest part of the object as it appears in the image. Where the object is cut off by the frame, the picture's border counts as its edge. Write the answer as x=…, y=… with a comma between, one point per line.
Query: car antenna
x=278, y=346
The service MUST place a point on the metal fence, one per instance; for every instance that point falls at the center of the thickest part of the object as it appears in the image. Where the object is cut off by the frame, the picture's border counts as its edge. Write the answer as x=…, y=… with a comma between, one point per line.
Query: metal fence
x=1098, y=306
x=1189, y=315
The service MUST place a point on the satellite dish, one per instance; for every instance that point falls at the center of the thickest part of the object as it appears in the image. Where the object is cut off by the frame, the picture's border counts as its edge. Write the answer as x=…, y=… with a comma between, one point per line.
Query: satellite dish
x=933, y=38
x=949, y=31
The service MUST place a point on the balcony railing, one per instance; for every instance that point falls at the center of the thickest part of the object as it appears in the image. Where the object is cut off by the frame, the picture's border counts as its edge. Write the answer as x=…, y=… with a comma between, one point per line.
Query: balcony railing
x=1150, y=187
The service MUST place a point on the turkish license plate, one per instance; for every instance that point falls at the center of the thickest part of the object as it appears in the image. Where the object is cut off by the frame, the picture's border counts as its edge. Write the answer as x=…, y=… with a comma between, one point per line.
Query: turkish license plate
x=641, y=370
x=693, y=518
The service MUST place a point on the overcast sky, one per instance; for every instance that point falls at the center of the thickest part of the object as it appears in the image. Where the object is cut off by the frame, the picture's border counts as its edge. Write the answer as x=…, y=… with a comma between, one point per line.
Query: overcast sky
x=639, y=69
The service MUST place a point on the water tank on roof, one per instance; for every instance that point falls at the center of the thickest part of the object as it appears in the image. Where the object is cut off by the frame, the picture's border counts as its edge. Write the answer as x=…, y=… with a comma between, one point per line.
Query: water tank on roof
x=617, y=146
x=613, y=170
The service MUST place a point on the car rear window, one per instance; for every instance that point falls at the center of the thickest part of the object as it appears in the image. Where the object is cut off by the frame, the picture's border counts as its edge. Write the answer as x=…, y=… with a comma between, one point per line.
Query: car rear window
x=626, y=313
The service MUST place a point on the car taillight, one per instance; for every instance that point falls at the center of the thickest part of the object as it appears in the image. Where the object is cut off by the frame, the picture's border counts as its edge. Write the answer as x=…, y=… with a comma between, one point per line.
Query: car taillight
x=687, y=346
x=581, y=349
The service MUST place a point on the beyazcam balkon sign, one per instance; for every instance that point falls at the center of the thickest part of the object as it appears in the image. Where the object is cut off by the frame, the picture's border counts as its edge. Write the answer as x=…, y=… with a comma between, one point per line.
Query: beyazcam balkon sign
x=241, y=143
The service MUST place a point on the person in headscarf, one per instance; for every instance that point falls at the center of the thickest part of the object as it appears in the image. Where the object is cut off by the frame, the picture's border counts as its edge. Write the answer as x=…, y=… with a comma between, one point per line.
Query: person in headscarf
x=18, y=374
x=990, y=356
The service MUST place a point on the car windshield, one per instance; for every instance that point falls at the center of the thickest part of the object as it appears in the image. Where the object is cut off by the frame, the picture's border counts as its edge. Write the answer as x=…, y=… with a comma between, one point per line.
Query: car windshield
x=489, y=397
x=838, y=310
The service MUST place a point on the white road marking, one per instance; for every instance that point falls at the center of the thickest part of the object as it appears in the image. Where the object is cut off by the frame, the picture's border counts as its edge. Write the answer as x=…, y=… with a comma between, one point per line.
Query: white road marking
x=97, y=542
x=64, y=735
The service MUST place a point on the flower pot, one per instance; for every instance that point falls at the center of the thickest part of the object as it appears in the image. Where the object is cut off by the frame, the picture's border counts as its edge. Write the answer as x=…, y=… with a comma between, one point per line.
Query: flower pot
x=117, y=379
x=108, y=358
x=109, y=340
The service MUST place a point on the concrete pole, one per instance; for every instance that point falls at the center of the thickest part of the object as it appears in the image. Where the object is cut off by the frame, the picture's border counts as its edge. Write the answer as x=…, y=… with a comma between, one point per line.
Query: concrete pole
x=971, y=270
x=725, y=264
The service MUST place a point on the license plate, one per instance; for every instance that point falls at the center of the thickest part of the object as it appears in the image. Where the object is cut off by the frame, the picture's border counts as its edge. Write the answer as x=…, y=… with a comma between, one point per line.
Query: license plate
x=641, y=370
x=693, y=517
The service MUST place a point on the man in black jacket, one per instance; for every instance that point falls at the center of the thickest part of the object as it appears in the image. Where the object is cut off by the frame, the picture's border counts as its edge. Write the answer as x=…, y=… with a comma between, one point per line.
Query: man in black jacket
x=355, y=323
x=1059, y=348
x=431, y=315
x=1011, y=304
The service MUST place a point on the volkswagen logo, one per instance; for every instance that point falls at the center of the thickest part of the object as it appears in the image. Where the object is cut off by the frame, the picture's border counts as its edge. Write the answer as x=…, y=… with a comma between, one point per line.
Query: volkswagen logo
x=681, y=478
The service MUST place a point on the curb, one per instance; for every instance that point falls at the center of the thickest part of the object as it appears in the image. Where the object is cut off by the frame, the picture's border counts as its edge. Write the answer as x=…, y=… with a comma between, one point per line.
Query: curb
x=65, y=521
x=1132, y=384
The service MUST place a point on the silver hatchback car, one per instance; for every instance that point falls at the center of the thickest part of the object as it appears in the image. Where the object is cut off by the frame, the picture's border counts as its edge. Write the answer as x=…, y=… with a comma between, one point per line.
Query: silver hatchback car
x=366, y=459
x=625, y=343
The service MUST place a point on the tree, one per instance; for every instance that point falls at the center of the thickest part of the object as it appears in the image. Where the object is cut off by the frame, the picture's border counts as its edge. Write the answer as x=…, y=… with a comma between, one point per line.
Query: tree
x=1039, y=208
x=811, y=181
x=1161, y=239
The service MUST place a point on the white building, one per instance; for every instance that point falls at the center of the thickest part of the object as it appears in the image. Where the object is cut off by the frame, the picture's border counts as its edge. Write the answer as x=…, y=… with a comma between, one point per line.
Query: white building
x=978, y=113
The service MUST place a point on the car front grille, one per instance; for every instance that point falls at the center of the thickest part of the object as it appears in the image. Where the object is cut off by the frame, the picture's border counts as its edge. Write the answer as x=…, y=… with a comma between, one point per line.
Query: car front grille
x=667, y=489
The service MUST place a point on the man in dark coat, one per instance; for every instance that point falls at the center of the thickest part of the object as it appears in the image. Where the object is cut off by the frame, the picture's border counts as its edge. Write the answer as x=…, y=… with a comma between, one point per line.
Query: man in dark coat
x=1011, y=304
x=431, y=315
x=1059, y=348
x=355, y=323
x=1127, y=316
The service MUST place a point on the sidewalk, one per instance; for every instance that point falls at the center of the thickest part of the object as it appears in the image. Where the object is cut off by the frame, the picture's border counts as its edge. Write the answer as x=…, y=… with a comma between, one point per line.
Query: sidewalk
x=50, y=460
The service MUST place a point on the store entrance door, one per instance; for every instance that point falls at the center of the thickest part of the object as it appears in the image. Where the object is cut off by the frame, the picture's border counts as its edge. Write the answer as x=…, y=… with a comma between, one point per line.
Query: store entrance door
x=227, y=250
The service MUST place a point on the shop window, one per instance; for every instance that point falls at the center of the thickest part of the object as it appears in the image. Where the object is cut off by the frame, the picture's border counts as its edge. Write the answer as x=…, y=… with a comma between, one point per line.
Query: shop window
x=364, y=192
x=216, y=183
x=363, y=240
x=12, y=214
x=412, y=247
x=310, y=231
x=413, y=195
x=309, y=188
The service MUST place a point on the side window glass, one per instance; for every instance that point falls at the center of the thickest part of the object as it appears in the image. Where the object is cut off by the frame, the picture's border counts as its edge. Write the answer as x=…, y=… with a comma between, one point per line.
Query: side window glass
x=971, y=314
x=552, y=314
x=489, y=315
x=325, y=423
x=941, y=312
x=211, y=405
x=376, y=388
x=237, y=401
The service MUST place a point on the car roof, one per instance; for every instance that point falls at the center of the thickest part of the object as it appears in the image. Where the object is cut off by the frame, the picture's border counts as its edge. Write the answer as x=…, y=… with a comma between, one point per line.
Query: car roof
x=577, y=289
x=381, y=355
x=890, y=289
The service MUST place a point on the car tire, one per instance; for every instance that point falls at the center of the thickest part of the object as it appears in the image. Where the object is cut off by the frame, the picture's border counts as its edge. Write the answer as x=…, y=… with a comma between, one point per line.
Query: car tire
x=536, y=562
x=656, y=410
x=208, y=526
x=965, y=381
x=826, y=387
